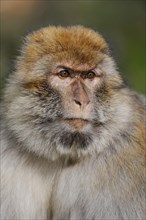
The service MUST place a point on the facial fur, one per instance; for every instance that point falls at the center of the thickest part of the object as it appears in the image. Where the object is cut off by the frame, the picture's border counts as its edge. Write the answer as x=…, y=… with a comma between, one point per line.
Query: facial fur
x=73, y=135
x=67, y=115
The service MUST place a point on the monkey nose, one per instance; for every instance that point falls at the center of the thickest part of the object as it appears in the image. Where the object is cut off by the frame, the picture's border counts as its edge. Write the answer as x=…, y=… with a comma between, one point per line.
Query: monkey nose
x=77, y=102
x=81, y=102
x=79, y=95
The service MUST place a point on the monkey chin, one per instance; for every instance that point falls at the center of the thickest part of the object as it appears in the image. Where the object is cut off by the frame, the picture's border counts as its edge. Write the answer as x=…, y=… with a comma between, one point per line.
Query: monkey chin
x=77, y=123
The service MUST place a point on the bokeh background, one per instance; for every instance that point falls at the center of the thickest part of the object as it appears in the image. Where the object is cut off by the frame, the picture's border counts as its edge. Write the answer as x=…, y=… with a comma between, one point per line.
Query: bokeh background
x=121, y=22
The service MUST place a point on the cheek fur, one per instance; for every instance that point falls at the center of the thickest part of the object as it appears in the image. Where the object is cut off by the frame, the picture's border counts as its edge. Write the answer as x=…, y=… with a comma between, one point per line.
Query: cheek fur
x=102, y=104
x=39, y=102
x=35, y=119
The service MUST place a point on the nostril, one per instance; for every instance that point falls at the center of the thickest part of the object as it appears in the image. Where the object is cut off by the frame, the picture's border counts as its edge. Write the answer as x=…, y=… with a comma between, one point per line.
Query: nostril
x=77, y=102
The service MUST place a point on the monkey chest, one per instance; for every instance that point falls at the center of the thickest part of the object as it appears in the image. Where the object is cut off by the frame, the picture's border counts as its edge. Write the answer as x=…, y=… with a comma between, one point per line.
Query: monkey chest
x=77, y=194
x=89, y=192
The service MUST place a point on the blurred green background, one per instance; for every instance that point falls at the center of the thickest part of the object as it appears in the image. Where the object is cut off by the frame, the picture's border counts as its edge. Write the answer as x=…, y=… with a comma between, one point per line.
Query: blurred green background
x=121, y=22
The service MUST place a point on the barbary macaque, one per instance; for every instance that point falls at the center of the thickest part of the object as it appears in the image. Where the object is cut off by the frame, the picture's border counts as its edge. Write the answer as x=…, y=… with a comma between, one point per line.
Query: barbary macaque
x=73, y=133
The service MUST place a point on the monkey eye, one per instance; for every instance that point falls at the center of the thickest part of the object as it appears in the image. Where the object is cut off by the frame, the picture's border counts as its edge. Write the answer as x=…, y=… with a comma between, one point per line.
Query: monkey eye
x=63, y=73
x=90, y=75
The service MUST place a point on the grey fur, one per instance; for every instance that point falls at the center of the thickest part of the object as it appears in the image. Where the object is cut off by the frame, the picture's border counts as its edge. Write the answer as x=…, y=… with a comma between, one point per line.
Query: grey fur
x=52, y=172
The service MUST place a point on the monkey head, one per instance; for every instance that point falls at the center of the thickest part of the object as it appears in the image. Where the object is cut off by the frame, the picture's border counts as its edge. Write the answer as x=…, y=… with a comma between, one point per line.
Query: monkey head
x=63, y=99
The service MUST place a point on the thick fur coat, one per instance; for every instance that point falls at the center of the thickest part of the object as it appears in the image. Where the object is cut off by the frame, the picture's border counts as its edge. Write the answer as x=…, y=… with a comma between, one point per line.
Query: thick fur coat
x=58, y=162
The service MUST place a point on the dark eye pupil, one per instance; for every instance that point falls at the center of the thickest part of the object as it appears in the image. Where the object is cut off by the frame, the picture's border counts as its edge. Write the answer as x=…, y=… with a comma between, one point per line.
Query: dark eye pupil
x=90, y=75
x=64, y=73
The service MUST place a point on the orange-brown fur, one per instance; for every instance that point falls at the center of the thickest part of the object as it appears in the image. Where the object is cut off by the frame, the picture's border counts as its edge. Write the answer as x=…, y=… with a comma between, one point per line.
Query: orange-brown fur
x=73, y=147
x=68, y=44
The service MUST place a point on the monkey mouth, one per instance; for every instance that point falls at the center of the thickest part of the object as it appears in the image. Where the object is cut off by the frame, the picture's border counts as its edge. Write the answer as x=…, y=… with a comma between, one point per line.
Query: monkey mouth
x=77, y=123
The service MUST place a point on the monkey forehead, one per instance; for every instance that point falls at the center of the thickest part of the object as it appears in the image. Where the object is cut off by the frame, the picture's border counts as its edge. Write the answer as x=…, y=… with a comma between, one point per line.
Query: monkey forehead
x=78, y=60
x=75, y=42
x=74, y=65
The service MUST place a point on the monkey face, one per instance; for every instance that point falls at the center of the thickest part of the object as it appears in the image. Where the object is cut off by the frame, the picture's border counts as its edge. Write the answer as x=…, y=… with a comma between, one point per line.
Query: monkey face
x=65, y=93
